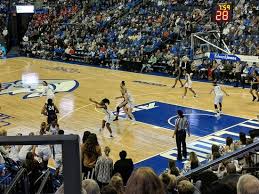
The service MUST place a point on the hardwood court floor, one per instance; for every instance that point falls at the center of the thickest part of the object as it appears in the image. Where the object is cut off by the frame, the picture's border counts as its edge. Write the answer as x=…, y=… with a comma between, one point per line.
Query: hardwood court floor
x=78, y=114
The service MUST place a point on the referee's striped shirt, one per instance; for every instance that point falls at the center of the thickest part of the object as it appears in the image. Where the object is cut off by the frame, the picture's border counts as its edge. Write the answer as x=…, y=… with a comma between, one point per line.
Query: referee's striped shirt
x=182, y=124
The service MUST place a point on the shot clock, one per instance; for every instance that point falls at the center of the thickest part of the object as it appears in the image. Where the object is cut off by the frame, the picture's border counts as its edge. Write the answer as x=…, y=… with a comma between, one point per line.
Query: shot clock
x=222, y=13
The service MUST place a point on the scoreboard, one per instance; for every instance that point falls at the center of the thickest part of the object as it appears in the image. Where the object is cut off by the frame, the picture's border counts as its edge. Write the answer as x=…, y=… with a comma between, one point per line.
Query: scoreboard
x=222, y=13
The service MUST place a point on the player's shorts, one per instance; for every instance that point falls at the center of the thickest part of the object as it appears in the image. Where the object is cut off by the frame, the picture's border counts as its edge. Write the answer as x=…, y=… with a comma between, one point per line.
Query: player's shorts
x=130, y=105
x=109, y=118
x=188, y=85
x=255, y=87
x=51, y=118
x=218, y=99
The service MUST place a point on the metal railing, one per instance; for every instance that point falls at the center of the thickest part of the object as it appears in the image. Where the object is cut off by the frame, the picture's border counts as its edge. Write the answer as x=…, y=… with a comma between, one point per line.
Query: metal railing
x=242, y=151
x=20, y=182
x=43, y=179
x=70, y=153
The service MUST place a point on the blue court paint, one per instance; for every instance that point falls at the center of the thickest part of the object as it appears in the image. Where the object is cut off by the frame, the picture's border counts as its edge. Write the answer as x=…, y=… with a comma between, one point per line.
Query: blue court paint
x=210, y=129
x=202, y=123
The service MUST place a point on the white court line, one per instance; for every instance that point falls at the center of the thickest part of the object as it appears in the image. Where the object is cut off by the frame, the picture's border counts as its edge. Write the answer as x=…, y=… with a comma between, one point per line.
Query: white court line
x=249, y=126
x=190, y=107
x=193, y=147
x=254, y=122
x=64, y=116
x=192, y=141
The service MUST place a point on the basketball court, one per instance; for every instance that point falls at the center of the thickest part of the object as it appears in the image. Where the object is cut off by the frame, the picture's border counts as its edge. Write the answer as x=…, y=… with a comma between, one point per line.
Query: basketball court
x=149, y=142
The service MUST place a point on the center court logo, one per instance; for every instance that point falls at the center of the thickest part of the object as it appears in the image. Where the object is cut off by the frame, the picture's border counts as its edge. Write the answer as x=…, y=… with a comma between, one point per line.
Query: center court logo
x=33, y=91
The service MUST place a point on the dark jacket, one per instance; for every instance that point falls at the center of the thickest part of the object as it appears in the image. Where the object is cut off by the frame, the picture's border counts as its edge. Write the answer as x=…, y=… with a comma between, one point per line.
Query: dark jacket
x=125, y=168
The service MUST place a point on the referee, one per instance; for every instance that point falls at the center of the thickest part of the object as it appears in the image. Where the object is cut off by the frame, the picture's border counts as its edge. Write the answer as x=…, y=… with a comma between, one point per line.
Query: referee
x=181, y=126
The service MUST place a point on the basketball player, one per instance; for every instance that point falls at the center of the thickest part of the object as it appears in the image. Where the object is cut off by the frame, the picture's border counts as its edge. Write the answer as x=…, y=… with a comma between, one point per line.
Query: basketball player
x=127, y=103
x=218, y=99
x=128, y=108
x=255, y=86
x=109, y=116
x=48, y=91
x=178, y=77
x=50, y=110
x=188, y=84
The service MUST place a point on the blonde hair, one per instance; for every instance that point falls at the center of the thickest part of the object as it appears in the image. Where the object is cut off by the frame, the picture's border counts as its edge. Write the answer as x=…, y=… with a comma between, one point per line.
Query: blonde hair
x=143, y=181
x=185, y=187
x=3, y=132
x=193, y=157
x=117, y=183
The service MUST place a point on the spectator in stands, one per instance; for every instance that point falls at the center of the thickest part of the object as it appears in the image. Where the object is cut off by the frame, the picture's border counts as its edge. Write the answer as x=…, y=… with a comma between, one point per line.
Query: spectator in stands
x=33, y=168
x=104, y=168
x=231, y=168
x=108, y=189
x=53, y=128
x=143, y=181
x=229, y=145
x=242, y=140
x=192, y=163
x=185, y=187
x=117, y=183
x=214, y=152
x=43, y=152
x=204, y=180
x=124, y=166
x=90, y=152
x=218, y=187
x=14, y=151
x=2, y=161
x=90, y=186
x=85, y=136
x=152, y=61
x=169, y=182
x=248, y=184
x=3, y=149
x=231, y=180
x=25, y=149
x=5, y=177
x=173, y=169
x=43, y=128
x=57, y=148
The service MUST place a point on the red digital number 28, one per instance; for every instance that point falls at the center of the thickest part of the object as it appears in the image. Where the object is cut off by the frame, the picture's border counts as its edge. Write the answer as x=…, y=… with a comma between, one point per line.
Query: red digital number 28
x=221, y=15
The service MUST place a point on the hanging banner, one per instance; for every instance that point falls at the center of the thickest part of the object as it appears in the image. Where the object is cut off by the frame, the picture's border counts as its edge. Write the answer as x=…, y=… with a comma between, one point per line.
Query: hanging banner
x=220, y=56
x=227, y=57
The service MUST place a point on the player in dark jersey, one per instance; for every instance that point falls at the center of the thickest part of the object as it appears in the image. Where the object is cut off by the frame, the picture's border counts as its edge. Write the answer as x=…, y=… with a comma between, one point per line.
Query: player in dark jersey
x=50, y=110
x=255, y=86
x=179, y=76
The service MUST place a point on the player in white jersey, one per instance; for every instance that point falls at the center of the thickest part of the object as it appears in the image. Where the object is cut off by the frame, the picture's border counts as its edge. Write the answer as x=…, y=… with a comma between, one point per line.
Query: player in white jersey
x=188, y=84
x=109, y=116
x=48, y=91
x=128, y=108
x=218, y=99
x=127, y=104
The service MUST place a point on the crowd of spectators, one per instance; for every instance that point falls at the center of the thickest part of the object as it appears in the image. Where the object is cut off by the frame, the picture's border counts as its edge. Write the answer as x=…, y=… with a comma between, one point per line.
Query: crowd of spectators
x=117, y=35
x=4, y=7
x=101, y=175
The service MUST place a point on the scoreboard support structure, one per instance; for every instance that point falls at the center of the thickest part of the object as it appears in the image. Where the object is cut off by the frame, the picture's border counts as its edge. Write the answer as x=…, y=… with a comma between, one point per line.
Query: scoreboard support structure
x=213, y=40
